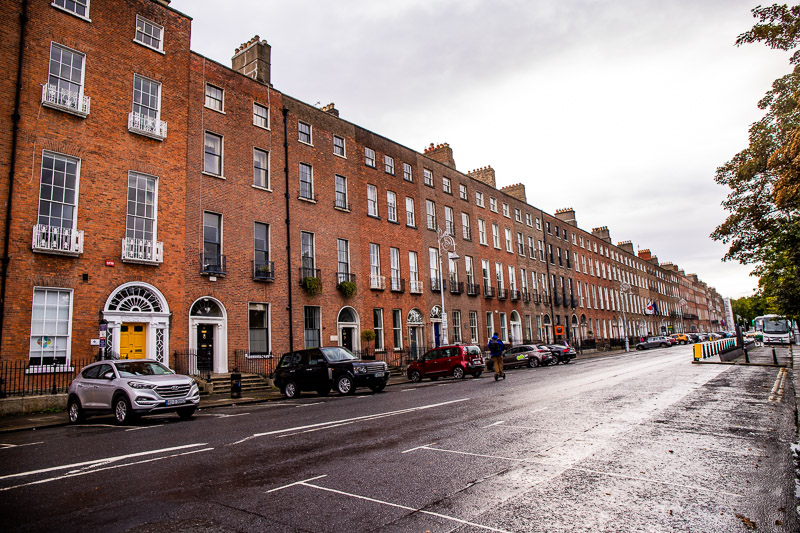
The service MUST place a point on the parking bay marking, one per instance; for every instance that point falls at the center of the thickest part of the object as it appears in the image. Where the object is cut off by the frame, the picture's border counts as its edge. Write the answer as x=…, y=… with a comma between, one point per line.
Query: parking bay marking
x=305, y=483
x=581, y=469
x=9, y=446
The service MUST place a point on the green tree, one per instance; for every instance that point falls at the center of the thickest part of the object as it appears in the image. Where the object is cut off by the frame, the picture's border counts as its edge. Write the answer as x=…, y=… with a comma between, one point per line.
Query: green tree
x=763, y=228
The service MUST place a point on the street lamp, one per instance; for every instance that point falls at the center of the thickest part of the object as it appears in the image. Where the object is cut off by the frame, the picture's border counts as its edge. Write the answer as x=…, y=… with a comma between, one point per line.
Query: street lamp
x=625, y=288
x=445, y=242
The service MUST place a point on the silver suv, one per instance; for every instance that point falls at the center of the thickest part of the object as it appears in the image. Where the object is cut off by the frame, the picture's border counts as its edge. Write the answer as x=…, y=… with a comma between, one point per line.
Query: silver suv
x=130, y=388
x=658, y=341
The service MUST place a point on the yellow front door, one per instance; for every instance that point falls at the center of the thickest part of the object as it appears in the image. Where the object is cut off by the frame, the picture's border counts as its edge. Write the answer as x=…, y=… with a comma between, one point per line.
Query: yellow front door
x=132, y=341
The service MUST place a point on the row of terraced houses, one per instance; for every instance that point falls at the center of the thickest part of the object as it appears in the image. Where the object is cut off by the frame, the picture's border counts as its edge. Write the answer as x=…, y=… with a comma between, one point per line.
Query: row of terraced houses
x=158, y=202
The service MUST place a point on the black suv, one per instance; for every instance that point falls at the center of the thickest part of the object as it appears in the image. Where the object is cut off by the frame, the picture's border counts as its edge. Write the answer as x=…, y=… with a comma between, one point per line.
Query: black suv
x=320, y=369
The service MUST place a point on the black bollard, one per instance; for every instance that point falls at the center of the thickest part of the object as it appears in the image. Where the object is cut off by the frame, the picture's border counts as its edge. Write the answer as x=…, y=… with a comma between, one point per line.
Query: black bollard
x=774, y=356
x=746, y=356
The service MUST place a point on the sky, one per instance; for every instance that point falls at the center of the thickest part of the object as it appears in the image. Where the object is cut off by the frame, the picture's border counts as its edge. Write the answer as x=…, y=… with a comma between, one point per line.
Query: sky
x=620, y=109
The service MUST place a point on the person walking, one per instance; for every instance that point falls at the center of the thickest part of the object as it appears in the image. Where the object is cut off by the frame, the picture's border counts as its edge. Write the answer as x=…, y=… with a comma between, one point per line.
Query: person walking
x=496, y=349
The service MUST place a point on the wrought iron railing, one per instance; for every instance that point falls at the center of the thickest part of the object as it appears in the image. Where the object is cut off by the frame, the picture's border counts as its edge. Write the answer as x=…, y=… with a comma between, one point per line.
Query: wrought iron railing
x=147, y=126
x=502, y=294
x=264, y=270
x=21, y=378
x=488, y=291
x=57, y=240
x=377, y=282
x=397, y=284
x=473, y=289
x=526, y=296
x=307, y=272
x=415, y=286
x=142, y=251
x=214, y=264
x=72, y=102
x=514, y=295
x=437, y=285
x=456, y=287
x=261, y=363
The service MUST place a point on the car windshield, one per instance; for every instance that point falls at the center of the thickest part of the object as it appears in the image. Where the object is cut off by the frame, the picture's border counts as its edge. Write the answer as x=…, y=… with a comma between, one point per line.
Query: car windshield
x=142, y=368
x=776, y=326
x=337, y=354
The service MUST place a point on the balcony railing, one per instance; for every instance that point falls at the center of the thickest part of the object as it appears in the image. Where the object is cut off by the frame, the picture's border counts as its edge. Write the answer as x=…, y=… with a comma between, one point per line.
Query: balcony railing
x=71, y=102
x=526, y=296
x=264, y=270
x=147, y=126
x=473, y=290
x=214, y=264
x=57, y=240
x=377, y=283
x=142, y=251
x=514, y=295
x=397, y=284
x=546, y=299
x=415, y=286
x=488, y=291
x=456, y=287
x=437, y=285
x=345, y=276
x=536, y=297
x=502, y=294
x=308, y=272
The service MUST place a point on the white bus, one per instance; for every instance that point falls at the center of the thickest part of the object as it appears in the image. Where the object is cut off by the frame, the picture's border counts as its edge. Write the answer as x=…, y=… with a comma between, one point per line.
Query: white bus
x=775, y=329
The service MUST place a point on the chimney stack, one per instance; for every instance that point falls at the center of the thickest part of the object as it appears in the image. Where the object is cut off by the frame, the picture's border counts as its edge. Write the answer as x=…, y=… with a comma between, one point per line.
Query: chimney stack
x=567, y=215
x=517, y=191
x=602, y=233
x=253, y=60
x=627, y=246
x=441, y=153
x=330, y=109
x=484, y=175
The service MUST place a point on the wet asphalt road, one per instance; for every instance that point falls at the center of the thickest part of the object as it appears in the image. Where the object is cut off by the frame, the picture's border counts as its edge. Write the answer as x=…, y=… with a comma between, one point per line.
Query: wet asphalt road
x=639, y=442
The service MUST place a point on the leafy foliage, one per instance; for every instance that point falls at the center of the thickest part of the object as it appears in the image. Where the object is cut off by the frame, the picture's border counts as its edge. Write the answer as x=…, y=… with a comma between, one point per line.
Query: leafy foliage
x=312, y=285
x=347, y=288
x=763, y=227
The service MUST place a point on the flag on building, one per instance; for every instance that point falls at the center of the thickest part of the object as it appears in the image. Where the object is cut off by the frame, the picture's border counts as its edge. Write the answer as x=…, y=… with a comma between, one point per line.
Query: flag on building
x=652, y=308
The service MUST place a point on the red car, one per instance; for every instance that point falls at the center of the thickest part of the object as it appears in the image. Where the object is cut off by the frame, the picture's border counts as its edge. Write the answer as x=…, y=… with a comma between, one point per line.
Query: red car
x=456, y=361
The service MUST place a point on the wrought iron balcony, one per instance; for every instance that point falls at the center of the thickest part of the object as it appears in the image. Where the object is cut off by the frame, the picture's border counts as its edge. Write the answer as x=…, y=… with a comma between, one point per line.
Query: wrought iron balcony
x=488, y=291
x=437, y=285
x=147, y=126
x=345, y=276
x=415, y=286
x=473, y=290
x=502, y=294
x=142, y=251
x=546, y=299
x=397, y=284
x=64, y=100
x=214, y=264
x=456, y=287
x=57, y=240
x=514, y=295
x=536, y=297
x=264, y=270
x=526, y=296
x=308, y=272
x=377, y=283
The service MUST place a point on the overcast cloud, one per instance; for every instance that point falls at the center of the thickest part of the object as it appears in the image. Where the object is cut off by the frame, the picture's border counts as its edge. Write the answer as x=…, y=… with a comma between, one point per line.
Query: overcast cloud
x=621, y=109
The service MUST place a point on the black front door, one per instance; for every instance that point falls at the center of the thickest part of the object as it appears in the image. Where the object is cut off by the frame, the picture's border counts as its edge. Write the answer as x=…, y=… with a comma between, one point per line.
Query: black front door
x=205, y=347
x=347, y=338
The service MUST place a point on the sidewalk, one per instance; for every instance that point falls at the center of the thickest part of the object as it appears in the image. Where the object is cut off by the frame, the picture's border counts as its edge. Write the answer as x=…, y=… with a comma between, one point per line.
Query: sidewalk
x=33, y=421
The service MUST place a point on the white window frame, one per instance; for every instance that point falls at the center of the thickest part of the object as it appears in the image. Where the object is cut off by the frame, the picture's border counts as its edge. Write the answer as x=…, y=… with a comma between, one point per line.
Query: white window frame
x=447, y=185
x=391, y=206
x=411, y=220
x=388, y=164
x=220, y=155
x=430, y=214
x=479, y=198
x=496, y=236
x=257, y=117
x=493, y=204
x=153, y=219
x=340, y=149
x=369, y=157
x=473, y=326
x=509, y=241
x=267, y=327
x=310, y=196
x=506, y=210
x=372, y=201
x=302, y=134
x=142, y=23
x=62, y=6
x=482, y=232
x=266, y=174
x=43, y=334
x=408, y=173
x=377, y=318
x=427, y=177
x=208, y=97
x=462, y=192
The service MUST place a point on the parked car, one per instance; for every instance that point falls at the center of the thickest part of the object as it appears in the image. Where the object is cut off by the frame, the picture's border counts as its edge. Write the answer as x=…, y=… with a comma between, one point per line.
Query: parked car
x=671, y=340
x=130, y=388
x=693, y=337
x=456, y=361
x=528, y=355
x=658, y=341
x=320, y=369
x=681, y=338
x=560, y=353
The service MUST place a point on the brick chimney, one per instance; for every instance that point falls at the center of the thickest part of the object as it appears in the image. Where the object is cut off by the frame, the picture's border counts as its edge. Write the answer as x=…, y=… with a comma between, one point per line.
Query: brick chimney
x=627, y=246
x=330, y=109
x=441, y=153
x=253, y=60
x=602, y=233
x=567, y=215
x=517, y=191
x=645, y=254
x=484, y=175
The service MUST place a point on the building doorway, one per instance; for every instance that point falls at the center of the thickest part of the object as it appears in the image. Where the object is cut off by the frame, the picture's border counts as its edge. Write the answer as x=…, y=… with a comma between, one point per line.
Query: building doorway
x=516, y=329
x=347, y=324
x=208, y=334
x=132, y=339
x=137, y=320
x=436, y=324
x=416, y=334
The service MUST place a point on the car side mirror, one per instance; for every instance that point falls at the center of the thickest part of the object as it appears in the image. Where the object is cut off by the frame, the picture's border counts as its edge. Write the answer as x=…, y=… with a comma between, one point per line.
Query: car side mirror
x=108, y=375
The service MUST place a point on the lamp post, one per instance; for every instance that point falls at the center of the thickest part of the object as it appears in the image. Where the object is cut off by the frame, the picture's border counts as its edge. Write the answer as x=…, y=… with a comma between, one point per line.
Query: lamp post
x=625, y=288
x=445, y=242
x=681, y=303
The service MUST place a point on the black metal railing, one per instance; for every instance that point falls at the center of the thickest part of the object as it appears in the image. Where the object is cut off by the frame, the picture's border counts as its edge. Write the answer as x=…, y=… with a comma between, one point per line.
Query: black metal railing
x=502, y=294
x=546, y=299
x=536, y=297
x=214, y=264
x=264, y=270
x=21, y=378
x=456, y=287
x=306, y=272
x=526, y=296
x=437, y=285
x=397, y=284
x=473, y=290
x=188, y=362
x=514, y=295
x=254, y=362
x=345, y=276
x=572, y=302
x=488, y=291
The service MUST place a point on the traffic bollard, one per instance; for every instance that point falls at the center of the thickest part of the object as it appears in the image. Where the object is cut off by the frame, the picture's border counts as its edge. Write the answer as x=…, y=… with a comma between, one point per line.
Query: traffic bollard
x=774, y=356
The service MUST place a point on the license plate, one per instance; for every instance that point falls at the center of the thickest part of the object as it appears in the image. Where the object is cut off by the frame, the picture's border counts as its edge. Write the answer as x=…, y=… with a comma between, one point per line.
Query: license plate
x=477, y=362
x=378, y=374
x=176, y=402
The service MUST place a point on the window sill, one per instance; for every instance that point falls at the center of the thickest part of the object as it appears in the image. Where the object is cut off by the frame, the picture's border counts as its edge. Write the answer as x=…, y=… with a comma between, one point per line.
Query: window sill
x=393, y=222
x=265, y=128
x=340, y=155
x=304, y=199
x=411, y=226
x=220, y=111
x=209, y=174
x=307, y=144
x=376, y=217
x=391, y=174
x=260, y=188
x=342, y=209
x=140, y=43
x=70, y=12
x=370, y=166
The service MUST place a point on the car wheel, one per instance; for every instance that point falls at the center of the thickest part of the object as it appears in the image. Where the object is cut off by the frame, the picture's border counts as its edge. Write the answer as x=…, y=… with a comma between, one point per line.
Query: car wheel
x=75, y=411
x=566, y=360
x=345, y=385
x=290, y=390
x=186, y=412
x=458, y=372
x=477, y=374
x=533, y=362
x=640, y=348
x=122, y=410
x=415, y=376
x=377, y=388
x=663, y=345
x=683, y=342
x=555, y=361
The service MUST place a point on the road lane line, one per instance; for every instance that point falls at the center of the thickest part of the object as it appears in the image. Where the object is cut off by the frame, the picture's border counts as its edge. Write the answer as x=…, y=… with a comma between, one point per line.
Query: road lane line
x=307, y=404
x=9, y=446
x=418, y=447
x=407, y=508
x=494, y=424
x=296, y=483
x=105, y=460
x=144, y=427
x=85, y=472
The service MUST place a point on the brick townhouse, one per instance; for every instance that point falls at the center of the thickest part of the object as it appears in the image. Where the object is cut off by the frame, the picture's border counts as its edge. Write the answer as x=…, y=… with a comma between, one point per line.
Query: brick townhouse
x=162, y=203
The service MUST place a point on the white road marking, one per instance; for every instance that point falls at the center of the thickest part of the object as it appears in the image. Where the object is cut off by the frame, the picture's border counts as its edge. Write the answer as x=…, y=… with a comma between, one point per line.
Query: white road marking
x=7, y=446
x=407, y=390
x=307, y=404
x=106, y=460
x=494, y=424
x=144, y=427
x=418, y=447
x=84, y=472
x=296, y=483
x=587, y=470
